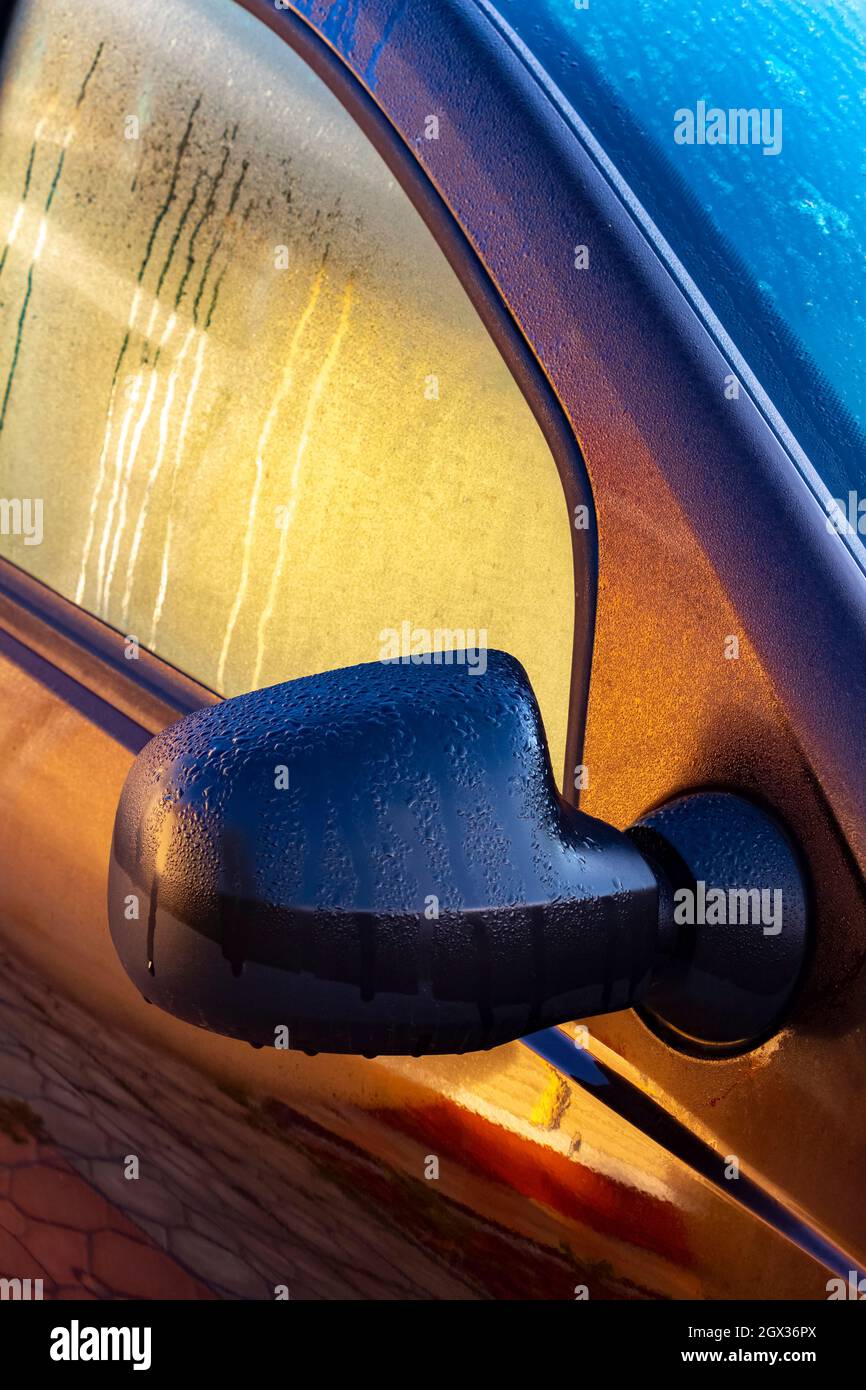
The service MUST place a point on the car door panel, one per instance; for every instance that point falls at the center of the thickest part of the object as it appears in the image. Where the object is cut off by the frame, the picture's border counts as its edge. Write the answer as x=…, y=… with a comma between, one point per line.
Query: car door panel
x=641, y=372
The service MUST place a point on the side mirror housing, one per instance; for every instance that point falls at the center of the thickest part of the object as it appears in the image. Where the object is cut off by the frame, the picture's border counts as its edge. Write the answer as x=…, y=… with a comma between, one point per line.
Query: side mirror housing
x=377, y=860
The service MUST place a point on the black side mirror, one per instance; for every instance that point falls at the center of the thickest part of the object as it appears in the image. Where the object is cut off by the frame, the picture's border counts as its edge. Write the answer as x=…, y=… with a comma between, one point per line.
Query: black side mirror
x=376, y=860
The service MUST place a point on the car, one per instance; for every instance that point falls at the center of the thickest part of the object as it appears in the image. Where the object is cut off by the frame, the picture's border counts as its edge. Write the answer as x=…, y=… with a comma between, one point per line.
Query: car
x=431, y=679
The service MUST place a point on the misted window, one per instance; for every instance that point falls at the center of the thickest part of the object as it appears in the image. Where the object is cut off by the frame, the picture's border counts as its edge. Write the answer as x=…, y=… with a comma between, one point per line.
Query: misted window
x=248, y=415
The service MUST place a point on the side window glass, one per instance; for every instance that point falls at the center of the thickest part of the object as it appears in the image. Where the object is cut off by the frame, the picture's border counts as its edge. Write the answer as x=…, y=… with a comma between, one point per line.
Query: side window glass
x=247, y=414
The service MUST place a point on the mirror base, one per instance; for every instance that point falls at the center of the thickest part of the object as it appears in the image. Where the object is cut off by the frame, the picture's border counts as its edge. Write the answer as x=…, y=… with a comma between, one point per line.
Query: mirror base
x=735, y=922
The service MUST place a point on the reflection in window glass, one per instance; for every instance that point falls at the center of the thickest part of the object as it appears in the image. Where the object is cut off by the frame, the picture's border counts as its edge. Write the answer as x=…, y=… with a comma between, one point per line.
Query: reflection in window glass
x=265, y=423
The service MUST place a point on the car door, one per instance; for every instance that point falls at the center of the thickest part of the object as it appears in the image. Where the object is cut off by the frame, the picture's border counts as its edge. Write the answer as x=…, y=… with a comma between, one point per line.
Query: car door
x=702, y=499
x=271, y=434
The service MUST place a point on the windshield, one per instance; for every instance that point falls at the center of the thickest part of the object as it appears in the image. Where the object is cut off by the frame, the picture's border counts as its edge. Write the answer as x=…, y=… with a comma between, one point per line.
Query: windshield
x=742, y=131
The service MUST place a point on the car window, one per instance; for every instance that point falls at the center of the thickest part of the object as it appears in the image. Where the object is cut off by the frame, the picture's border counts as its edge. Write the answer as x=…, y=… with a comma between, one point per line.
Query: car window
x=741, y=130
x=248, y=415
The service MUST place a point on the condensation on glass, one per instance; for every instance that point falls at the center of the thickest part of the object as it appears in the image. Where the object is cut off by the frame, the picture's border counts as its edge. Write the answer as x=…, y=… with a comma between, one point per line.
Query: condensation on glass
x=267, y=431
